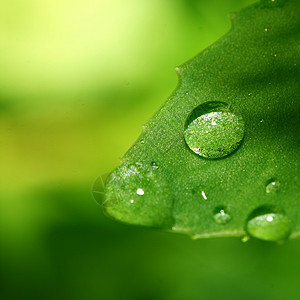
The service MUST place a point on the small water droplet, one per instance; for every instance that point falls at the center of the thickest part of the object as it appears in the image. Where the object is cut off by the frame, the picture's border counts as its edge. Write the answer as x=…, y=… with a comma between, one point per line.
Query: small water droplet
x=154, y=165
x=186, y=92
x=142, y=142
x=261, y=121
x=204, y=195
x=272, y=186
x=221, y=216
x=245, y=238
x=269, y=223
x=266, y=29
x=213, y=130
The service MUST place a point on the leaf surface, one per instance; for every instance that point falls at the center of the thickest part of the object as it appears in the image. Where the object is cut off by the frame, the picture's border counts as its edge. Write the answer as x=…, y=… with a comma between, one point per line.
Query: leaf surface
x=253, y=71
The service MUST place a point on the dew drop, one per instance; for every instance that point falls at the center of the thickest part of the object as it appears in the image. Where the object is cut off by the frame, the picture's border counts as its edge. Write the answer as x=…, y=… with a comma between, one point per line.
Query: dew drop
x=221, y=217
x=269, y=223
x=213, y=130
x=272, y=187
x=154, y=165
x=245, y=238
x=136, y=193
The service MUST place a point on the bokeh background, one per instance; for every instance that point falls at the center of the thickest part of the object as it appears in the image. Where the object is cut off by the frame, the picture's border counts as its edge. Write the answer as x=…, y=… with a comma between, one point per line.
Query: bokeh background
x=77, y=81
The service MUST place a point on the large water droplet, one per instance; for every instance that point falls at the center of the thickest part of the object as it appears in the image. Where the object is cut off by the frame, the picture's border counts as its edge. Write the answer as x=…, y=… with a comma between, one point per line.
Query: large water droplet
x=213, y=130
x=273, y=186
x=139, y=194
x=269, y=223
x=221, y=216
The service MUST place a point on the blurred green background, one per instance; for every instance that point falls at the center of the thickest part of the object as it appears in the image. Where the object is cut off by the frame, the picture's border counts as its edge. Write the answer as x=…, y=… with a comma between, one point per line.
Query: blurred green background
x=77, y=81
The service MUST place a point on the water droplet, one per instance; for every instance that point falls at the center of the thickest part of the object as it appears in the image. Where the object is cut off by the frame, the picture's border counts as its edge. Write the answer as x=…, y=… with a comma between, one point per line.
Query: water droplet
x=221, y=217
x=266, y=29
x=213, y=130
x=245, y=238
x=272, y=186
x=137, y=193
x=269, y=223
x=261, y=121
x=154, y=165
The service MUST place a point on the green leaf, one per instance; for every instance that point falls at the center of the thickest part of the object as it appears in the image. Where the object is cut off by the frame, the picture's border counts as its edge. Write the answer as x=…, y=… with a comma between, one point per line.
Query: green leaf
x=220, y=157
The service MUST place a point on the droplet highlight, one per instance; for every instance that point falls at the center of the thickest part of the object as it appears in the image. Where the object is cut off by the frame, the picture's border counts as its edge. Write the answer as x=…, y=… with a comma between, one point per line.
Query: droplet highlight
x=221, y=216
x=203, y=195
x=140, y=192
x=269, y=223
x=214, y=130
